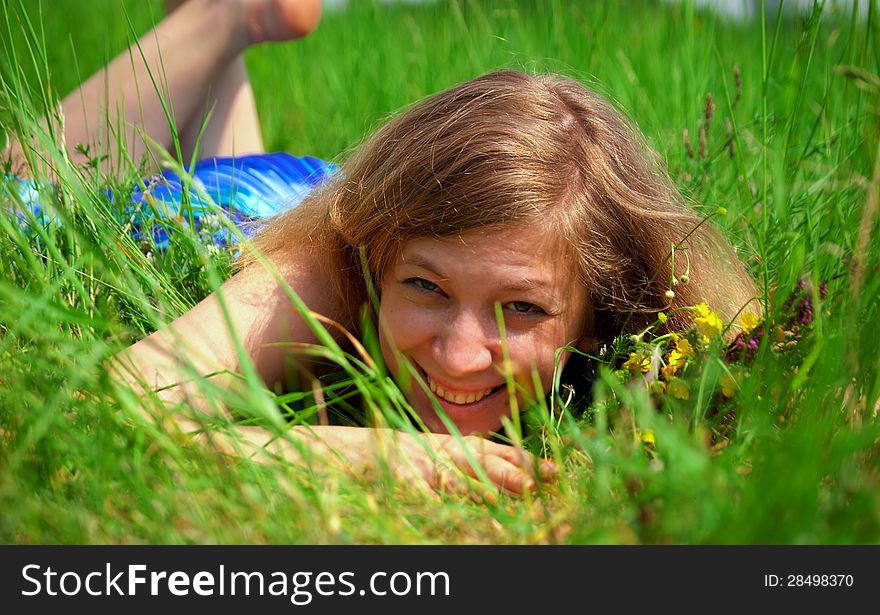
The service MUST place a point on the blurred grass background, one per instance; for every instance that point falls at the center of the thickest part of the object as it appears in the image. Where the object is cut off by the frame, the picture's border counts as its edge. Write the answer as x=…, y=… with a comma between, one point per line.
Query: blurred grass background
x=790, y=151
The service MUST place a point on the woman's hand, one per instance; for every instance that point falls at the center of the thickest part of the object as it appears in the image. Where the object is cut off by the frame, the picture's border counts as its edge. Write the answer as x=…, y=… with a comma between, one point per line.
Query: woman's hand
x=442, y=462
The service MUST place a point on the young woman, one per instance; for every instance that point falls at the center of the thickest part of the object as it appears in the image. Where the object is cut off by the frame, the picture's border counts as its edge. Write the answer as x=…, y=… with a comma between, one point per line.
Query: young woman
x=528, y=194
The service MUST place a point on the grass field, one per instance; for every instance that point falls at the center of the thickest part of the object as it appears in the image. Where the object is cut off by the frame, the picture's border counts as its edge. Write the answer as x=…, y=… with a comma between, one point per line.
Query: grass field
x=790, y=151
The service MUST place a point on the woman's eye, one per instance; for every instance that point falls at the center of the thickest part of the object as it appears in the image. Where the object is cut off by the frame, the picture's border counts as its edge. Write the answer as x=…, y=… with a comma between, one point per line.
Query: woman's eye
x=524, y=307
x=424, y=284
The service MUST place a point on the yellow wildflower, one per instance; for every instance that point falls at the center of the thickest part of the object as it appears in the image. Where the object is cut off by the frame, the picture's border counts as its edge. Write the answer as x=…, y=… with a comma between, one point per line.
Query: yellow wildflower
x=638, y=362
x=707, y=322
x=676, y=361
x=780, y=333
x=678, y=357
x=648, y=437
x=657, y=387
x=662, y=318
x=748, y=321
x=678, y=388
x=728, y=385
x=684, y=347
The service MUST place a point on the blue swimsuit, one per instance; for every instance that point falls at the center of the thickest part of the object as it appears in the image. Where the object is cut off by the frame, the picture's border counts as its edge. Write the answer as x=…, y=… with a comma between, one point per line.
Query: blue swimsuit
x=246, y=188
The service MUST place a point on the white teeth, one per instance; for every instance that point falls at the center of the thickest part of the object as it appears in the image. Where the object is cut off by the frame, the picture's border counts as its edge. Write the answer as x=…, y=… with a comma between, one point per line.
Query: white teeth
x=456, y=398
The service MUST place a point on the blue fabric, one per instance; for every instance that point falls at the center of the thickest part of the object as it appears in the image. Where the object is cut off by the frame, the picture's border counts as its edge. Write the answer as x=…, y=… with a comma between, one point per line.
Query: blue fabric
x=29, y=193
x=246, y=188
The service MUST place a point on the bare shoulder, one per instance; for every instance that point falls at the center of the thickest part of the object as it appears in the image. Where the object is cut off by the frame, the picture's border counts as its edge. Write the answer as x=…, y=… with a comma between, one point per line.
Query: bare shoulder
x=253, y=308
x=304, y=270
x=262, y=313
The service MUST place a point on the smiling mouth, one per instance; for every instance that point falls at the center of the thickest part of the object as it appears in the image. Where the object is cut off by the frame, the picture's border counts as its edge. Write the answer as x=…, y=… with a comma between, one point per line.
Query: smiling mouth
x=458, y=398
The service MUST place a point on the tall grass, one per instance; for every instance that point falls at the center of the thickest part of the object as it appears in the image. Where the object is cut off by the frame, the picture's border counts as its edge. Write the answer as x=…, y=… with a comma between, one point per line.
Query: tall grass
x=788, y=146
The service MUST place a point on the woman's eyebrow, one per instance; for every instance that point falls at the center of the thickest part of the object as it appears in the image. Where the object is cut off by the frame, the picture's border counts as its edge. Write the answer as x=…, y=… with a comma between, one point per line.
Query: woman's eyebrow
x=525, y=284
x=417, y=260
x=521, y=284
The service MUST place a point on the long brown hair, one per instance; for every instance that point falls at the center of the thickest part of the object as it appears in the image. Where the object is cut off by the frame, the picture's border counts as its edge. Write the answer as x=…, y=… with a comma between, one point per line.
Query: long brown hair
x=509, y=147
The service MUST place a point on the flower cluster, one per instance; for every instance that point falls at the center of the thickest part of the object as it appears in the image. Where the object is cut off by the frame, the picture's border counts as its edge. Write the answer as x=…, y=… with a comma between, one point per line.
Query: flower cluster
x=661, y=362
x=797, y=313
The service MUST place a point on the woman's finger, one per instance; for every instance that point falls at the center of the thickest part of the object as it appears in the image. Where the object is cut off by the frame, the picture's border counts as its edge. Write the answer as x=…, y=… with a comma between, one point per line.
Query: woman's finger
x=430, y=472
x=444, y=480
x=509, y=469
x=508, y=477
x=516, y=456
x=415, y=470
x=545, y=469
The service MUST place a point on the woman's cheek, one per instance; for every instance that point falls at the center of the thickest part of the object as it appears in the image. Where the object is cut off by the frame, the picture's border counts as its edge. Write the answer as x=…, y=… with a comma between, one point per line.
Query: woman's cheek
x=534, y=354
x=405, y=326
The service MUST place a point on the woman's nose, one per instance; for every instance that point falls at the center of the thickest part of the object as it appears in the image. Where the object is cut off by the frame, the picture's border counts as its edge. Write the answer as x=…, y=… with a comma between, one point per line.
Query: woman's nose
x=466, y=345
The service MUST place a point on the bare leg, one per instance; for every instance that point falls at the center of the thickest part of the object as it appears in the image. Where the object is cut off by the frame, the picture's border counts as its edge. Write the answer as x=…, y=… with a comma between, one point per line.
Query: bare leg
x=234, y=126
x=187, y=52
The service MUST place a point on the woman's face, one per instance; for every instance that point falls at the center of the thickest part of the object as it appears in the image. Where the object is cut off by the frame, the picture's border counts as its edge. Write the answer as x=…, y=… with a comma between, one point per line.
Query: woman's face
x=438, y=310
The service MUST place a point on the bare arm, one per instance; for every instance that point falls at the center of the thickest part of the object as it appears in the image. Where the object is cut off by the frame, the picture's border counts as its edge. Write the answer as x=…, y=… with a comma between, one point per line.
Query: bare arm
x=260, y=314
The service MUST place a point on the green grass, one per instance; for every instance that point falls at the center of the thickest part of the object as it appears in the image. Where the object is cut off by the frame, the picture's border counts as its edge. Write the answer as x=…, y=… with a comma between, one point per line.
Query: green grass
x=791, y=153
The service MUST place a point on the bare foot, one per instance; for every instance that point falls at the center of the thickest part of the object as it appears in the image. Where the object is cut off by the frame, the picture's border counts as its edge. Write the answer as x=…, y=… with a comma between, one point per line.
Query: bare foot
x=281, y=20
x=273, y=20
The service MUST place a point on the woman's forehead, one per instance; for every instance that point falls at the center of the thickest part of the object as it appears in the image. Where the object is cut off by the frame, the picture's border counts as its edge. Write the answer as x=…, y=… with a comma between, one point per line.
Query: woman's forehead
x=519, y=250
